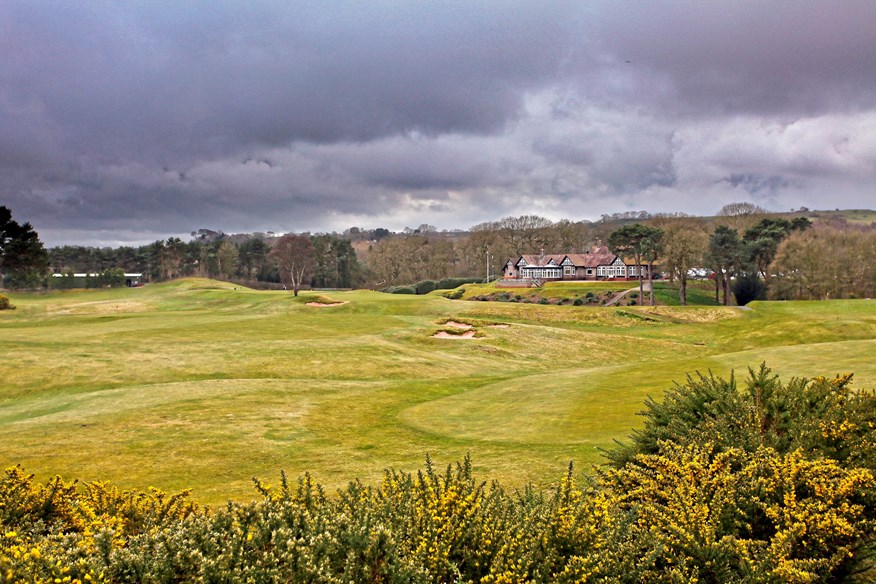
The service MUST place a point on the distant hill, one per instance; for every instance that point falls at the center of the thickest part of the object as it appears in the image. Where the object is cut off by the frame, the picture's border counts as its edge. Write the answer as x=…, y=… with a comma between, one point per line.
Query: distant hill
x=858, y=216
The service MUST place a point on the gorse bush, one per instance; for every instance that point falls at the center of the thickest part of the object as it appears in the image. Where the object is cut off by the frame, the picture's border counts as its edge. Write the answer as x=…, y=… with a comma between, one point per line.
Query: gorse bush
x=823, y=417
x=770, y=482
x=5, y=304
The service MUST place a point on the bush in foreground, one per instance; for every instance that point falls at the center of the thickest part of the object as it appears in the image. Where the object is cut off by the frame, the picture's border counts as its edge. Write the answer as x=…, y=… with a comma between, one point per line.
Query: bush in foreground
x=722, y=485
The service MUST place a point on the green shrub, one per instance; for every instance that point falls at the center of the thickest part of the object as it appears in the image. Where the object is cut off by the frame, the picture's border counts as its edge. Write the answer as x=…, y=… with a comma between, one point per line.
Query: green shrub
x=65, y=282
x=747, y=288
x=425, y=286
x=403, y=290
x=450, y=283
x=454, y=294
x=5, y=304
x=578, y=302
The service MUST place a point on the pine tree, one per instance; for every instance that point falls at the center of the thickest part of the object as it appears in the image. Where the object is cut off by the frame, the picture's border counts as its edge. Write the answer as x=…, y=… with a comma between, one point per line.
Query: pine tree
x=23, y=259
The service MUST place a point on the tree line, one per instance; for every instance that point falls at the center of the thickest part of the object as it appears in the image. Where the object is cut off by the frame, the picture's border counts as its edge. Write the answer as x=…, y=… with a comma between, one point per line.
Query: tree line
x=331, y=260
x=749, y=254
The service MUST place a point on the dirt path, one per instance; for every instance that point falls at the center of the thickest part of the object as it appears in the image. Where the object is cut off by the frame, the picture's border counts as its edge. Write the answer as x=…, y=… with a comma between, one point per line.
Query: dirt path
x=616, y=298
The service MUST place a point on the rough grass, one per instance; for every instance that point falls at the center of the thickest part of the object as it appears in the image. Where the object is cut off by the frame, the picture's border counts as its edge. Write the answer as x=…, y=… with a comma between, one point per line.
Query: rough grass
x=551, y=289
x=203, y=384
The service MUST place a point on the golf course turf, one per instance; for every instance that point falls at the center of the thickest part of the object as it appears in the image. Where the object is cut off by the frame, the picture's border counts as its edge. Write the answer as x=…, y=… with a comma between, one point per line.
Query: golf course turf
x=202, y=384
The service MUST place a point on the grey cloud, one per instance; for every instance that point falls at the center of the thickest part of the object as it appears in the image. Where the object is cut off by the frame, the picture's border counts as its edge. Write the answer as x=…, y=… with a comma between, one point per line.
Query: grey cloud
x=163, y=117
x=755, y=184
x=170, y=79
x=778, y=58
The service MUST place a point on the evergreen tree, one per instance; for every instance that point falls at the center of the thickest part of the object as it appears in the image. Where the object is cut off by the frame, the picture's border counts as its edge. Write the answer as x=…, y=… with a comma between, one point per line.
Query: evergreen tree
x=23, y=259
x=643, y=243
x=725, y=255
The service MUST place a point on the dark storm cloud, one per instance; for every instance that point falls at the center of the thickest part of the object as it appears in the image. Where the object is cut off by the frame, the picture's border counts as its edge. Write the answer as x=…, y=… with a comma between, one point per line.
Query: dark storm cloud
x=195, y=79
x=162, y=117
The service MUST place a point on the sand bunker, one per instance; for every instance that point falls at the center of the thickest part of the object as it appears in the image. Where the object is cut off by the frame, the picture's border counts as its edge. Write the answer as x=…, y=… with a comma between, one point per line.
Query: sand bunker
x=446, y=335
x=459, y=325
x=324, y=304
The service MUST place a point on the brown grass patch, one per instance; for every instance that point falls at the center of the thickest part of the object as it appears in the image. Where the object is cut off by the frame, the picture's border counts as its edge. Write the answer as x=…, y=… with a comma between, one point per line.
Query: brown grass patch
x=105, y=307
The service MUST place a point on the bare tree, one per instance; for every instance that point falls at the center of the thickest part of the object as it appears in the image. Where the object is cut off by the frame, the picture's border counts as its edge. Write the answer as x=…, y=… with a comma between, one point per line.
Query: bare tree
x=524, y=234
x=570, y=237
x=734, y=209
x=825, y=263
x=685, y=246
x=295, y=259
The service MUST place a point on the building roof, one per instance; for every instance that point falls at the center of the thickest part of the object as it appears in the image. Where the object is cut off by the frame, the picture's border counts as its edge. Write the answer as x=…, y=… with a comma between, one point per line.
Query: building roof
x=599, y=255
x=542, y=259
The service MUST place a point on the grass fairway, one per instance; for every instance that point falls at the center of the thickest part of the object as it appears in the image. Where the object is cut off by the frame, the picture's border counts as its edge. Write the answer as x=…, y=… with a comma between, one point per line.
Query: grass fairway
x=200, y=384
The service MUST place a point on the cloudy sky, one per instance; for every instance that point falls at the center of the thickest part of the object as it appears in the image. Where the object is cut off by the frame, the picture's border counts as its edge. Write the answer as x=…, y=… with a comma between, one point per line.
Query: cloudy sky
x=132, y=121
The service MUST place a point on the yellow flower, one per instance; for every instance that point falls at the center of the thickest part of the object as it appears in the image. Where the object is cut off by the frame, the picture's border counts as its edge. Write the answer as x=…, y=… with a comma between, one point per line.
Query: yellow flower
x=11, y=534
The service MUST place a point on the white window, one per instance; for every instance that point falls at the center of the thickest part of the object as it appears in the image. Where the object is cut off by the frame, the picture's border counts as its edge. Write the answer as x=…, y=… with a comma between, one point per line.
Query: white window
x=569, y=270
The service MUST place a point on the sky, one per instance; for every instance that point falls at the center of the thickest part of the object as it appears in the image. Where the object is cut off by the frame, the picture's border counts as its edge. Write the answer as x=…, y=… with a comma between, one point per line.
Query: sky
x=128, y=122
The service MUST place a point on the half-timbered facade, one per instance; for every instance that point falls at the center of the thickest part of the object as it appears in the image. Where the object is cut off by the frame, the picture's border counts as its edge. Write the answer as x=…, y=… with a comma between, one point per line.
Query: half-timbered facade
x=596, y=264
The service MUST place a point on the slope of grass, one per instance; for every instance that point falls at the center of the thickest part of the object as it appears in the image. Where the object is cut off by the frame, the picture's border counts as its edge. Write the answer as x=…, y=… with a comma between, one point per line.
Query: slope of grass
x=699, y=293
x=204, y=384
